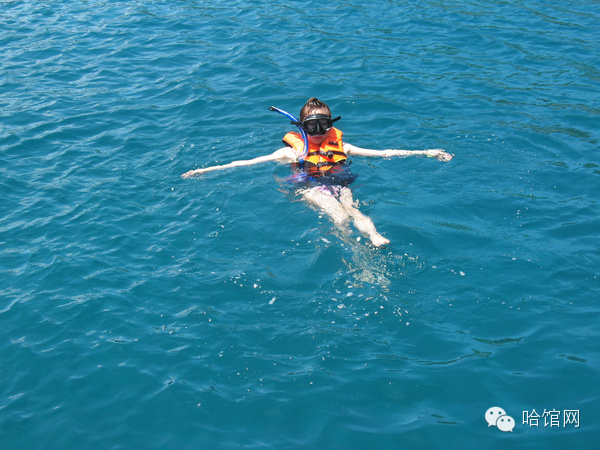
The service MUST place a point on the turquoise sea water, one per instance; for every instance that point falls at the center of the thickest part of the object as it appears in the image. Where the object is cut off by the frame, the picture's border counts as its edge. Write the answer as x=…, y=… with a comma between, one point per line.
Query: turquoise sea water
x=141, y=310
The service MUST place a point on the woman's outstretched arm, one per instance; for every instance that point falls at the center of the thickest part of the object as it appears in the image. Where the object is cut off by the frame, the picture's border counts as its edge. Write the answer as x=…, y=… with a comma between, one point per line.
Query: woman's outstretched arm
x=432, y=153
x=284, y=155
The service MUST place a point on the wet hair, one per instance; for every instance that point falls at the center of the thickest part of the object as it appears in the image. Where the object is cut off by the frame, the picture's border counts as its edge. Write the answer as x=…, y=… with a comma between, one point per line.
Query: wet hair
x=313, y=106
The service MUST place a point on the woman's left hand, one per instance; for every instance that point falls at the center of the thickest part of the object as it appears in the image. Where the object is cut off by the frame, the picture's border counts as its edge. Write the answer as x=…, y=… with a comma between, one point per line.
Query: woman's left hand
x=440, y=154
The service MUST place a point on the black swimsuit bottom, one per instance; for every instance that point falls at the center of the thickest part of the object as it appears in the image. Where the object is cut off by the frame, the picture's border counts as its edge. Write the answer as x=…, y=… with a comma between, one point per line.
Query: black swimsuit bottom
x=338, y=175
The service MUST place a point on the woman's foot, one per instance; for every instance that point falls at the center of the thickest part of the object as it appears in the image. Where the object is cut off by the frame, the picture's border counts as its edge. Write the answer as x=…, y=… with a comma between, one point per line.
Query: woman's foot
x=378, y=240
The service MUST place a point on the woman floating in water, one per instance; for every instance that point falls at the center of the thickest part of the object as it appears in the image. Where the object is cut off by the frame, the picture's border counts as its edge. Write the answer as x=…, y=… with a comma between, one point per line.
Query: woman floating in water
x=322, y=176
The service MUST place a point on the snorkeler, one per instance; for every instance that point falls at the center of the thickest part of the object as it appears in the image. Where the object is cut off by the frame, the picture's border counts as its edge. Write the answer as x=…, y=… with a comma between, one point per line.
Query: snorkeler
x=322, y=174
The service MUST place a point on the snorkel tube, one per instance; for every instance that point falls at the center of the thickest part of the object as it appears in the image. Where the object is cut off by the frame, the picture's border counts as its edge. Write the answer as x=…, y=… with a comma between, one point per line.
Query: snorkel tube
x=302, y=132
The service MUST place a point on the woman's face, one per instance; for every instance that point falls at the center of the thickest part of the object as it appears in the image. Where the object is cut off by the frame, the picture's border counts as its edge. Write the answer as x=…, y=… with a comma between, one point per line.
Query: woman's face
x=319, y=138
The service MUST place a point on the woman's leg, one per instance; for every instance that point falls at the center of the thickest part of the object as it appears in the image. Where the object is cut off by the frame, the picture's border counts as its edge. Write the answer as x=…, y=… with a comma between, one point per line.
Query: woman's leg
x=363, y=223
x=329, y=205
x=341, y=209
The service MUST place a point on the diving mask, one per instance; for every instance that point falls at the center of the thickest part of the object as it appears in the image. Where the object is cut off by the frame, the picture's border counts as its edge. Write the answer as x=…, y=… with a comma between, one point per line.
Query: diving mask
x=317, y=124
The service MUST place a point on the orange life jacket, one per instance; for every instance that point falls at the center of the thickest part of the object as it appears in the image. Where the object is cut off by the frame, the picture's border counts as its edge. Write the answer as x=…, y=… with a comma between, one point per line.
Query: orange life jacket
x=330, y=153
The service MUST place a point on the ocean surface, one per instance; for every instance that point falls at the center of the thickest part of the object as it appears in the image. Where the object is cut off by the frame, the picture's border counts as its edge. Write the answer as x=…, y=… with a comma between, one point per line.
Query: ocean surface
x=142, y=310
